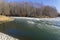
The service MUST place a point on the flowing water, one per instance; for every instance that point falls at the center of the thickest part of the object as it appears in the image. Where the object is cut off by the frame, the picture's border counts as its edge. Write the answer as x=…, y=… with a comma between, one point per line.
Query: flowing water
x=32, y=29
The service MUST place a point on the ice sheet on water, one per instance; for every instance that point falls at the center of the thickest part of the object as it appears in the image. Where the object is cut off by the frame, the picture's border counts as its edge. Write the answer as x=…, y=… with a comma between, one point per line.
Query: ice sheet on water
x=48, y=19
x=55, y=21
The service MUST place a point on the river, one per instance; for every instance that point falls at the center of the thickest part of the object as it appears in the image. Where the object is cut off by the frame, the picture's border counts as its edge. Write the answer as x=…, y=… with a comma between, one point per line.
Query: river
x=25, y=28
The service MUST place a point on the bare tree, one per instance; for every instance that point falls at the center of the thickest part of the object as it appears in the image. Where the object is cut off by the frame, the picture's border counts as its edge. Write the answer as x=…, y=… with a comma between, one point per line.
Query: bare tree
x=27, y=9
x=49, y=11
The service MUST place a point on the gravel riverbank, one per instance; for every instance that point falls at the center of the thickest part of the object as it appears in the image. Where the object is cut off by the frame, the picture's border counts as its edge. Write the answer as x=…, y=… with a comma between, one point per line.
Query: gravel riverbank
x=6, y=37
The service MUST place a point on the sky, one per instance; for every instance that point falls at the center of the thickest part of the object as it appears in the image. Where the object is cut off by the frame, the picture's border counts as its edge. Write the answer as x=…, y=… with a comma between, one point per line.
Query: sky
x=54, y=3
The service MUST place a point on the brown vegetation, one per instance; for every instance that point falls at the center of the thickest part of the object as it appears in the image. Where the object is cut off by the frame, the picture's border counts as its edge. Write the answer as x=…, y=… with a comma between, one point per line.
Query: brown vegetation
x=5, y=19
x=27, y=10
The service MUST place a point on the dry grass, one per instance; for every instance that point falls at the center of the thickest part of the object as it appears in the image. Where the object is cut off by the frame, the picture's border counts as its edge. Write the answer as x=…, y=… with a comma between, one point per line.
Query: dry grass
x=5, y=18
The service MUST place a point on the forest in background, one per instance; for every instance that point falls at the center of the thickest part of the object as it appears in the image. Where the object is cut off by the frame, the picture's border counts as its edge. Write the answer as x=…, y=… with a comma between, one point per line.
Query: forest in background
x=27, y=9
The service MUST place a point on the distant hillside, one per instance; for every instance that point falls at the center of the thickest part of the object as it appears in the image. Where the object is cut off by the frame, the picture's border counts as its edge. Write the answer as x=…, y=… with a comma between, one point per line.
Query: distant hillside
x=27, y=10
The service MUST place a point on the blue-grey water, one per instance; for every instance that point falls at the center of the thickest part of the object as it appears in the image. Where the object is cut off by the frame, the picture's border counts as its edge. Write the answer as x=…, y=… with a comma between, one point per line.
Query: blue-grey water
x=32, y=29
x=57, y=23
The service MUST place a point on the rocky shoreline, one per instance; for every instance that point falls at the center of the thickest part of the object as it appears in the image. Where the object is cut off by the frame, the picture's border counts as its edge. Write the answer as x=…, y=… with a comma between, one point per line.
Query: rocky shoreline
x=6, y=37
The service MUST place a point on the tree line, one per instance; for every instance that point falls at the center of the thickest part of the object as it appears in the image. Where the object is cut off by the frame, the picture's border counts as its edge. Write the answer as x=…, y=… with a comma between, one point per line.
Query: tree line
x=26, y=9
